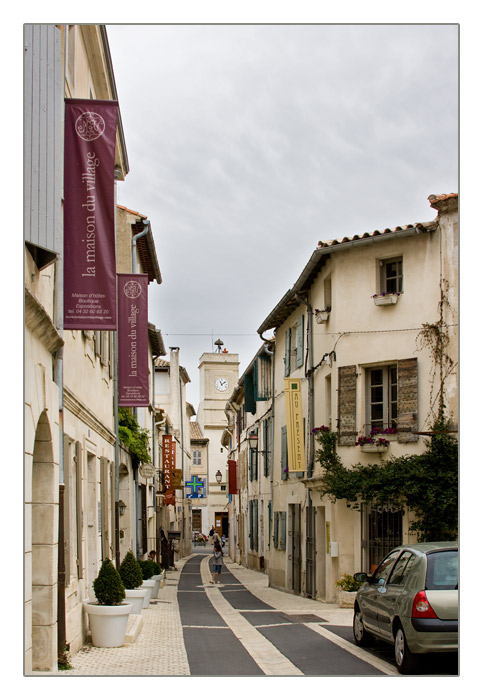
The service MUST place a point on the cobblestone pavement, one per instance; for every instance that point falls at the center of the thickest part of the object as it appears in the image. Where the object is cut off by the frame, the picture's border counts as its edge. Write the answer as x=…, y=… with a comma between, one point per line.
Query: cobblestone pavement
x=159, y=648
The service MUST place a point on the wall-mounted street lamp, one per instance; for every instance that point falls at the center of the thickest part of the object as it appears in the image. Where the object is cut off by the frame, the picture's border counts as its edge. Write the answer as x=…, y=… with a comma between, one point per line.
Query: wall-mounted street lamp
x=253, y=443
x=218, y=476
x=122, y=507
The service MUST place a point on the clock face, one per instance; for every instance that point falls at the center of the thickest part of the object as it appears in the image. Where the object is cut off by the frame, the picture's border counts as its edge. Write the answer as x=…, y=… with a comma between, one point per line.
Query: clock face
x=221, y=384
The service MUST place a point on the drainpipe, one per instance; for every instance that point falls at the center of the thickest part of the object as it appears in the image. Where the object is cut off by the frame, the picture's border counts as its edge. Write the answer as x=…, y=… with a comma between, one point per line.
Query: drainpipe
x=59, y=380
x=117, y=448
x=135, y=238
x=310, y=411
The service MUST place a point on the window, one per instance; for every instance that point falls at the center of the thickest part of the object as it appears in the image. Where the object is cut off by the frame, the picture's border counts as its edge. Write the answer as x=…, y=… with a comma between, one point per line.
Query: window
x=402, y=569
x=442, y=573
x=384, y=569
x=381, y=393
x=196, y=458
x=391, y=276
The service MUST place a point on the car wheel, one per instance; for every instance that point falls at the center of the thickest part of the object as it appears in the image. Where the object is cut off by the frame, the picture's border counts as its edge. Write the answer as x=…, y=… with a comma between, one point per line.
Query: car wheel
x=361, y=636
x=406, y=661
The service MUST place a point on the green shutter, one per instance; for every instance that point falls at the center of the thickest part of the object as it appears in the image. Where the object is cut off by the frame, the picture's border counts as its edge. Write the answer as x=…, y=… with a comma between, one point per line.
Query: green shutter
x=275, y=529
x=250, y=406
x=300, y=341
x=265, y=447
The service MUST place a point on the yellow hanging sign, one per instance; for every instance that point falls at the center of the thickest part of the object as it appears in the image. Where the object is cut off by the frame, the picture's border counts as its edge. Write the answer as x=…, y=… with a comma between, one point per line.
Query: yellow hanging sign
x=295, y=426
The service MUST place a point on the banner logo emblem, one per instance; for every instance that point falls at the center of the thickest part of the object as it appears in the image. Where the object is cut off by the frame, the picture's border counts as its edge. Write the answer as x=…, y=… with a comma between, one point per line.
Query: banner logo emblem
x=89, y=126
x=132, y=289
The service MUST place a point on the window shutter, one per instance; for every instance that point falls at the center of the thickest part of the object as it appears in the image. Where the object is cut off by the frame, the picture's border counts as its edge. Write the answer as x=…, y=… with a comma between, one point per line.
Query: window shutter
x=347, y=405
x=275, y=528
x=287, y=353
x=283, y=533
x=269, y=523
x=407, y=400
x=255, y=525
x=250, y=523
x=284, y=464
x=250, y=405
x=250, y=470
x=266, y=447
x=300, y=341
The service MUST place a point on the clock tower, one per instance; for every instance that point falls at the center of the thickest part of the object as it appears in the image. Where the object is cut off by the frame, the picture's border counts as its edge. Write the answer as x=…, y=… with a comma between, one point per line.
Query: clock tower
x=218, y=379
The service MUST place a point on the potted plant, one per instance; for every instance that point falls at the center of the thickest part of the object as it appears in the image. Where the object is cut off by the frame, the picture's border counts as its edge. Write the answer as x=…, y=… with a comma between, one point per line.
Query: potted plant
x=147, y=568
x=132, y=578
x=158, y=576
x=322, y=315
x=108, y=617
x=347, y=588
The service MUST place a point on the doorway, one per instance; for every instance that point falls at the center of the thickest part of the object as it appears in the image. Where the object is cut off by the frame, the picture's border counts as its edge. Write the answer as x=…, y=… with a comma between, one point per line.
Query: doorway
x=221, y=524
x=44, y=526
x=295, y=551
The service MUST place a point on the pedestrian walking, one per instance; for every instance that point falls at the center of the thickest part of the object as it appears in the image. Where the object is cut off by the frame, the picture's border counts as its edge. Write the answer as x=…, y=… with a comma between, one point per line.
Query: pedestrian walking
x=211, y=533
x=217, y=562
x=216, y=538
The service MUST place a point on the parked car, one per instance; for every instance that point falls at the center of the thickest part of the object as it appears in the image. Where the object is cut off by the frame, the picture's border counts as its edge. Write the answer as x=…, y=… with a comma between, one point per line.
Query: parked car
x=411, y=601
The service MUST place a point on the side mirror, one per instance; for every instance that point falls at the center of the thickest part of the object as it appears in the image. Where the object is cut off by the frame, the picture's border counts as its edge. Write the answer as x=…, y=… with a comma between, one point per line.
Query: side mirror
x=361, y=577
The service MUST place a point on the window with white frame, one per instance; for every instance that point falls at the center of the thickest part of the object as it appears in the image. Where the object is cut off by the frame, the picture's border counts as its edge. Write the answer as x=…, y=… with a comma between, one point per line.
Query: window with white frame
x=197, y=458
x=381, y=397
x=391, y=276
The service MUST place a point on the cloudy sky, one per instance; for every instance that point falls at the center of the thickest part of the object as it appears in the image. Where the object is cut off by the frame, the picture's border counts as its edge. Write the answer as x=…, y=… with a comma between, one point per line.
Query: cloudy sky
x=248, y=144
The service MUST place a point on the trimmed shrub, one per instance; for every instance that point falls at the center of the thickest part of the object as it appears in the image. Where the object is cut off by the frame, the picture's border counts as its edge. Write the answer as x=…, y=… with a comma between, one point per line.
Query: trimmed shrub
x=157, y=568
x=108, y=586
x=130, y=571
x=147, y=567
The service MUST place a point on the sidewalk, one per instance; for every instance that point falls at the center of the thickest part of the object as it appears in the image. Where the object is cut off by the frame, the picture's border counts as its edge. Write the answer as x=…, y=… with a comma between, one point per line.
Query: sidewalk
x=158, y=649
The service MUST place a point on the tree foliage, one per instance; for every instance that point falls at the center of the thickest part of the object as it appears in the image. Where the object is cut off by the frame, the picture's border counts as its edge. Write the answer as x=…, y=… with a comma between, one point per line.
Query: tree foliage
x=425, y=484
x=135, y=438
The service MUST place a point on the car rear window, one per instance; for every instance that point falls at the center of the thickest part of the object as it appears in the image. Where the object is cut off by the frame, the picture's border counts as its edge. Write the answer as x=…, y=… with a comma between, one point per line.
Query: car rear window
x=442, y=573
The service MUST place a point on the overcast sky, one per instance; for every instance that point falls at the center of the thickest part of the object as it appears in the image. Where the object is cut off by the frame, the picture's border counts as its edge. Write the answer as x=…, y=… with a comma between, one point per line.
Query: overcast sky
x=248, y=144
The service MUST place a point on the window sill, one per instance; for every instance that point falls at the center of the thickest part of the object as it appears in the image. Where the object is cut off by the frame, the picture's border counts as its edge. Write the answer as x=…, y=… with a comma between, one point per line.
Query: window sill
x=385, y=299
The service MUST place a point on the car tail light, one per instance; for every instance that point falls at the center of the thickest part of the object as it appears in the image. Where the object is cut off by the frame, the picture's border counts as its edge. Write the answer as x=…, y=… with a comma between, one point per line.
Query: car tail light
x=421, y=606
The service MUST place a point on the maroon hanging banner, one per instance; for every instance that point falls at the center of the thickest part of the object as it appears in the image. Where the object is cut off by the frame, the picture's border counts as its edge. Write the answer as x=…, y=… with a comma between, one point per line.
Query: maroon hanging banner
x=89, y=223
x=232, y=477
x=132, y=343
x=169, y=466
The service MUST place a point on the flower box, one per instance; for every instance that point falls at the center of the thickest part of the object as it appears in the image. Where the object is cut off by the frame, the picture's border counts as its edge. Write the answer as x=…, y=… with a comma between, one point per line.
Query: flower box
x=373, y=448
x=385, y=299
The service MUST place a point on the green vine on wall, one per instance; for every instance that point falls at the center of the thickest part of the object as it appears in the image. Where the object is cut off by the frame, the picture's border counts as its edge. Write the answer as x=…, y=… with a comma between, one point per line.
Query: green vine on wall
x=425, y=484
x=135, y=438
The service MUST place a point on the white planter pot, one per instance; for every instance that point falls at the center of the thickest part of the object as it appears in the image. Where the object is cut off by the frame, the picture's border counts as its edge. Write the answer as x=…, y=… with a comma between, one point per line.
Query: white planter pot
x=150, y=585
x=345, y=599
x=374, y=448
x=386, y=300
x=147, y=596
x=108, y=623
x=136, y=597
x=159, y=578
x=322, y=316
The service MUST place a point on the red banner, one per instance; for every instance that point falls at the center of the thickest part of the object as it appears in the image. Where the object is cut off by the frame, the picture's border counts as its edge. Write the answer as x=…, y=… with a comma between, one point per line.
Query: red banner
x=89, y=223
x=232, y=477
x=132, y=342
x=169, y=464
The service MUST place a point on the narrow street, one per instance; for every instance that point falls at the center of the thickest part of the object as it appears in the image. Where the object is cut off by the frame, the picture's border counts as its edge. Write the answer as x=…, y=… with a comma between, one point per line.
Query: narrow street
x=239, y=627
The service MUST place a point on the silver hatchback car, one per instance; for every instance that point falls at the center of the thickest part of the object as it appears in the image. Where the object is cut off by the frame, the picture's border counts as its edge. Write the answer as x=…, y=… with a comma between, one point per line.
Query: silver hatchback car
x=411, y=601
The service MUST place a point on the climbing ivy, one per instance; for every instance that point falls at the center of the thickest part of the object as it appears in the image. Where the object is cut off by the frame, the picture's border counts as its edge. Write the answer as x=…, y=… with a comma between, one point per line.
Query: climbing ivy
x=425, y=484
x=135, y=438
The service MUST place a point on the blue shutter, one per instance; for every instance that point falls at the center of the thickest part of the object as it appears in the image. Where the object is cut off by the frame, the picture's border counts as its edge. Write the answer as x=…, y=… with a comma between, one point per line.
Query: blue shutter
x=287, y=353
x=283, y=527
x=284, y=464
